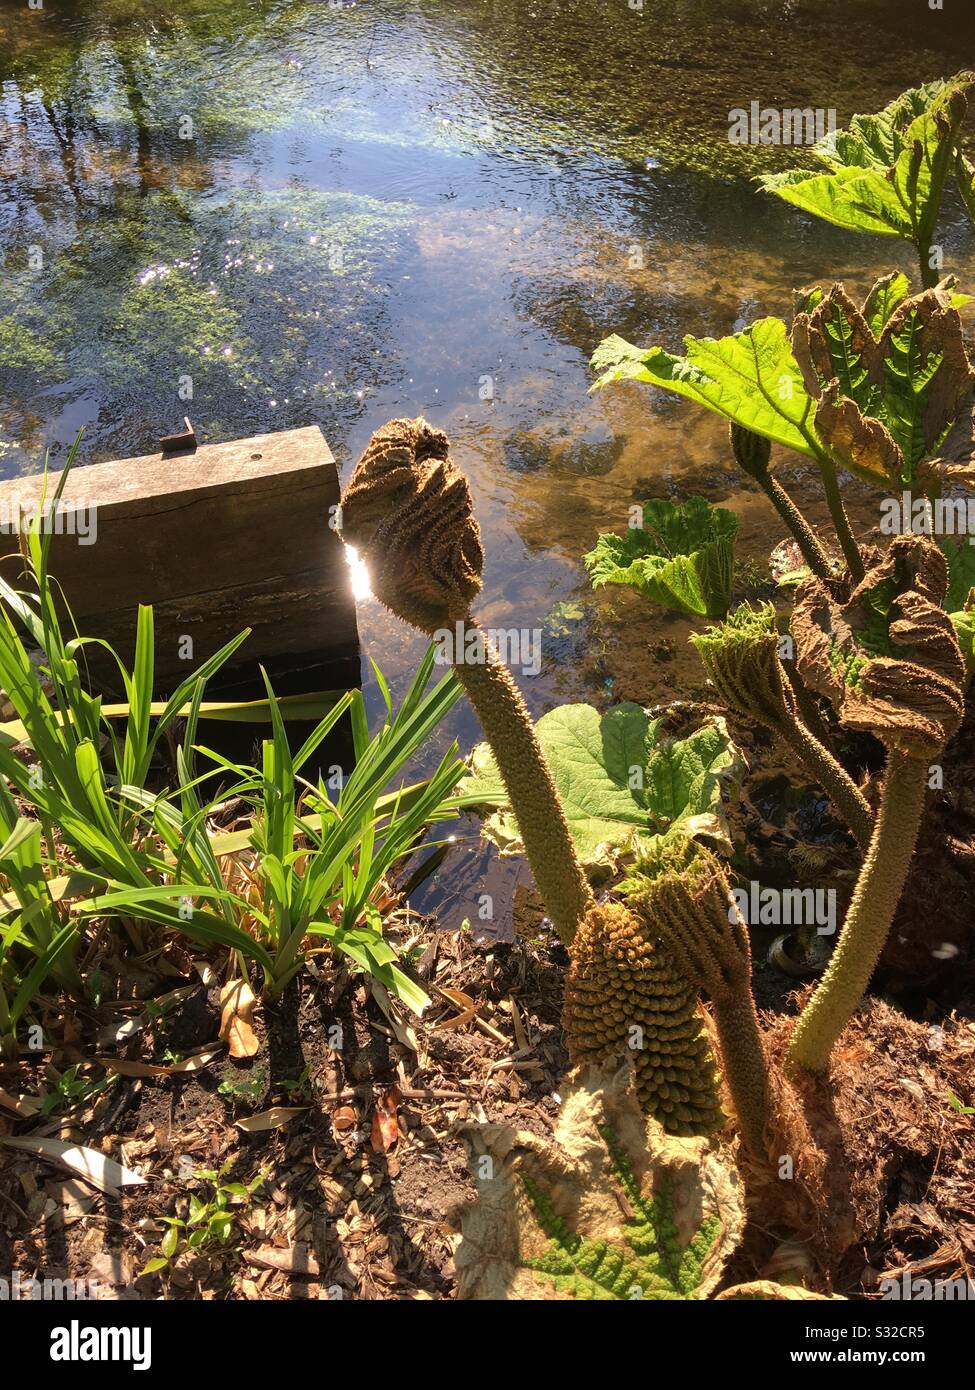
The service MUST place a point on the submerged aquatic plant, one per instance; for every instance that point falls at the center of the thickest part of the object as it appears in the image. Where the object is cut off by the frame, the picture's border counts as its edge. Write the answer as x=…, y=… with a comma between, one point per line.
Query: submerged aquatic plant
x=887, y=656
x=886, y=173
x=741, y=658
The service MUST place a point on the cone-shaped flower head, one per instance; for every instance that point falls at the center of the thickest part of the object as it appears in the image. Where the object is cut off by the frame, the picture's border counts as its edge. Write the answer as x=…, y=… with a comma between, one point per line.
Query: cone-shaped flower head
x=741, y=658
x=886, y=655
x=407, y=510
x=682, y=895
x=624, y=996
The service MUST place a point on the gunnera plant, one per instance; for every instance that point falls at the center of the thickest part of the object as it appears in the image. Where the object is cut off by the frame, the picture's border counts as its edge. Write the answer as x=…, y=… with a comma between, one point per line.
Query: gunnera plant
x=682, y=895
x=753, y=454
x=610, y=1207
x=741, y=658
x=887, y=656
x=408, y=512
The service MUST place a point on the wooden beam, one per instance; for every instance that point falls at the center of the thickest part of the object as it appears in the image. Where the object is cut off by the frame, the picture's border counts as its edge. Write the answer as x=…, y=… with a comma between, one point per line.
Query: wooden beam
x=217, y=538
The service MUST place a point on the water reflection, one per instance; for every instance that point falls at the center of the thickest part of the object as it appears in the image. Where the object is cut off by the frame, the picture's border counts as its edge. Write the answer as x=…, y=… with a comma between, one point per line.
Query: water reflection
x=279, y=213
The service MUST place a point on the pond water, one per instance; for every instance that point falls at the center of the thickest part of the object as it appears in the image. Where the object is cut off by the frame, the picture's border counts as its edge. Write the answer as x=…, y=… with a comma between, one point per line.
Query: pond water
x=337, y=213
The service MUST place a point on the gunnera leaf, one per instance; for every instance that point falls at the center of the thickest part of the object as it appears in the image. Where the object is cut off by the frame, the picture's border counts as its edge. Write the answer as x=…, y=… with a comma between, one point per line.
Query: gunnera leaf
x=888, y=399
x=619, y=780
x=885, y=653
x=682, y=557
x=886, y=172
x=751, y=378
x=960, y=598
x=610, y=1208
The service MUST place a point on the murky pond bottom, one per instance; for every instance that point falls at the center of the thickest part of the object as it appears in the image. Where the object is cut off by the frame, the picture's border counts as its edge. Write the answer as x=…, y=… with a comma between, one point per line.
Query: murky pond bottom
x=278, y=214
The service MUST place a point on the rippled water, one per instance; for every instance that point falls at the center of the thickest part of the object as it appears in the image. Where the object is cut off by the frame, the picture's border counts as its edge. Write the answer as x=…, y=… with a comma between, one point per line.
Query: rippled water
x=408, y=206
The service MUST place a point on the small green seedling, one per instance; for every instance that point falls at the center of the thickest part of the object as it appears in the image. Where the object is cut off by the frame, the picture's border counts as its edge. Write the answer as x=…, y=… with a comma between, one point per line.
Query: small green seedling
x=70, y=1088
x=209, y=1222
x=956, y=1104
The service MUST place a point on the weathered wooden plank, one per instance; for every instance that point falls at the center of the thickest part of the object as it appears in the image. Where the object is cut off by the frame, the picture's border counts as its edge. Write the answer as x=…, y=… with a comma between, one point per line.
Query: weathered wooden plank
x=216, y=538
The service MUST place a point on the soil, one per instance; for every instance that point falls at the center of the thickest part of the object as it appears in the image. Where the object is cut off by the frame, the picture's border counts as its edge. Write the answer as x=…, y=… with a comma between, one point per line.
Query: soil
x=355, y=1195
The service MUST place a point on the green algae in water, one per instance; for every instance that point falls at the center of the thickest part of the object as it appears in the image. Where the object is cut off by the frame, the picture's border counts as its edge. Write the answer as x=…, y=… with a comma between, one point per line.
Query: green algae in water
x=258, y=294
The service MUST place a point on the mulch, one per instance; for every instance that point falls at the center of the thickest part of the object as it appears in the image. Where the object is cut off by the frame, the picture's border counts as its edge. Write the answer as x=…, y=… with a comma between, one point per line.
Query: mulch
x=358, y=1190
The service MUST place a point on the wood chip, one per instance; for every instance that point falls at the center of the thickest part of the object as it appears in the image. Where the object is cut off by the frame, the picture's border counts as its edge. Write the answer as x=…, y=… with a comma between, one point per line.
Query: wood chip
x=295, y=1259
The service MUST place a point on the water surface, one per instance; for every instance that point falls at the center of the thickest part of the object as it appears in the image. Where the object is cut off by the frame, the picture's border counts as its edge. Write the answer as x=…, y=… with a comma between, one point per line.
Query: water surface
x=429, y=206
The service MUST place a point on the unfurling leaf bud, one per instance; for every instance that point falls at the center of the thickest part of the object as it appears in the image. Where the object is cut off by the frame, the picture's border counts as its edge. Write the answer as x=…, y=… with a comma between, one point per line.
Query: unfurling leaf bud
x=752, y=451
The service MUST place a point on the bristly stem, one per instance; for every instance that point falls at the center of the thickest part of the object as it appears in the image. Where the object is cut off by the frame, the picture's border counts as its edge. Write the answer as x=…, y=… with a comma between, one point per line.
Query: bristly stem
x=929, y=276
x=851, y=551
x=745, y=1065
x=832, y=777
x=812, y=552
x=869, y=918
x=534, y=799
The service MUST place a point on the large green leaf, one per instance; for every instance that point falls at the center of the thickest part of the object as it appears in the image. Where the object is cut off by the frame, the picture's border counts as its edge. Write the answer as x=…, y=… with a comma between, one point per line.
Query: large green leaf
x=751, y=378
x=682, y=557
x=889, y=291
x=961, y=572
x=618, y=779
x=886, y=172
x=861, y=200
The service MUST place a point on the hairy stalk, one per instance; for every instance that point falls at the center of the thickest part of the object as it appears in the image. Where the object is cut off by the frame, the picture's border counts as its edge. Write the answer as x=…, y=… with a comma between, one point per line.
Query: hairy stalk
x=812, y=552
x=548, y=844
x=869, y=917
x=809, y=711
x=408, y=510
x=741, y=659
x=746, y=1066
x=837, y=783
x=912, y=699
x=929, y=276
x=753, y=455
x=841, y=522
